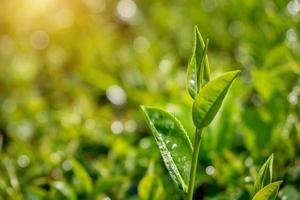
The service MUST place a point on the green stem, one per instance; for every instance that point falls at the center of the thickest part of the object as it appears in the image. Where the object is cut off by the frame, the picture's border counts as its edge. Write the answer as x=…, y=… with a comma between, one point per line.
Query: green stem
x=193, y=172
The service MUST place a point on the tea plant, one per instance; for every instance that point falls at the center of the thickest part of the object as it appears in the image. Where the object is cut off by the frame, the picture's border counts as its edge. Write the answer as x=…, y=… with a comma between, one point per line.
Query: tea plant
x=264, y=188
x=178, y=153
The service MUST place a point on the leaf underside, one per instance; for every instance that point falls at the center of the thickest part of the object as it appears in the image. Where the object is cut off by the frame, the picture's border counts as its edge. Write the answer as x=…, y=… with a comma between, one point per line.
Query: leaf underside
x=173, y=142
x=269, y=192
x=210, y=98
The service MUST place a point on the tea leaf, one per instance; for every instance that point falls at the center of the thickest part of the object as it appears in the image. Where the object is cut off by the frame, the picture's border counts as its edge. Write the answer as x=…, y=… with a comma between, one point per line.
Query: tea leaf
x=34, y=192
x=289, y=192
x=82, y=179
x=210, y=99
x=269, y=192
x=103, y=184
x=200, y=53
x=174, y=145
x=198, y=72
x=264, y=176
x=150, y=188
x=65, y=189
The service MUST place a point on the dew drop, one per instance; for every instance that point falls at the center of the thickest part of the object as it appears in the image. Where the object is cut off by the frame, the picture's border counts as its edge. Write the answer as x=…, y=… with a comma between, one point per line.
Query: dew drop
x=192, y=82
x=174, y=146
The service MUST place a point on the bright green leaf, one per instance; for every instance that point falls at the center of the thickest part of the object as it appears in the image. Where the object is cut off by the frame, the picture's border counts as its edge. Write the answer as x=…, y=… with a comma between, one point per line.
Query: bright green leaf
x=201, y=52
x=173, y=142
x=264, y=176
x=269, y=192
x=198, y=73
x=210, y=99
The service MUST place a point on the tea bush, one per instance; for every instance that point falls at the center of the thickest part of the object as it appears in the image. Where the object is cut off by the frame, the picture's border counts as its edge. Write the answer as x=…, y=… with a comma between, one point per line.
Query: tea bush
x=73, y=74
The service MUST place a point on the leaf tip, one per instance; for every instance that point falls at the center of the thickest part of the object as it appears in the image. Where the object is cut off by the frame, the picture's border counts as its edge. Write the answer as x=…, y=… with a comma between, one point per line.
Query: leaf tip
x=207, y=42
x=198, y=36
x=234, y=73
x=196, y=29
x=145, y=109
x=142, y=107
x=278, y=183
x=237, y=72
x=272, y=157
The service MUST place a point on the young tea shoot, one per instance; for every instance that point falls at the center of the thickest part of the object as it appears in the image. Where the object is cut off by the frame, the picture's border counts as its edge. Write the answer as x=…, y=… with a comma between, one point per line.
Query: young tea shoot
x=179, y=154
x=264, y=188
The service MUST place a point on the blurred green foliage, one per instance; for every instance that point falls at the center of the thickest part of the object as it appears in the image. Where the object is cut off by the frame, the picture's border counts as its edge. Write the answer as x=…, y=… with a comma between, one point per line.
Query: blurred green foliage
x=73, y=74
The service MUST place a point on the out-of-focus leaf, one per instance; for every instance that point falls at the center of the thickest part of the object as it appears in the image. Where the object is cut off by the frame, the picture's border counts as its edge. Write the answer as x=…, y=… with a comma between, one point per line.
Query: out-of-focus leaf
x=36, y=193
x=265, y=87
x=105, y=183
x=289, y=192
x=276, y=57
x=150, y=188
x=198, y=72
x=269, y=192
x=82, y=179
x=210, y=99
x=14, y=182
x=173, y=142
x=65, y=190
x=264, y=176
